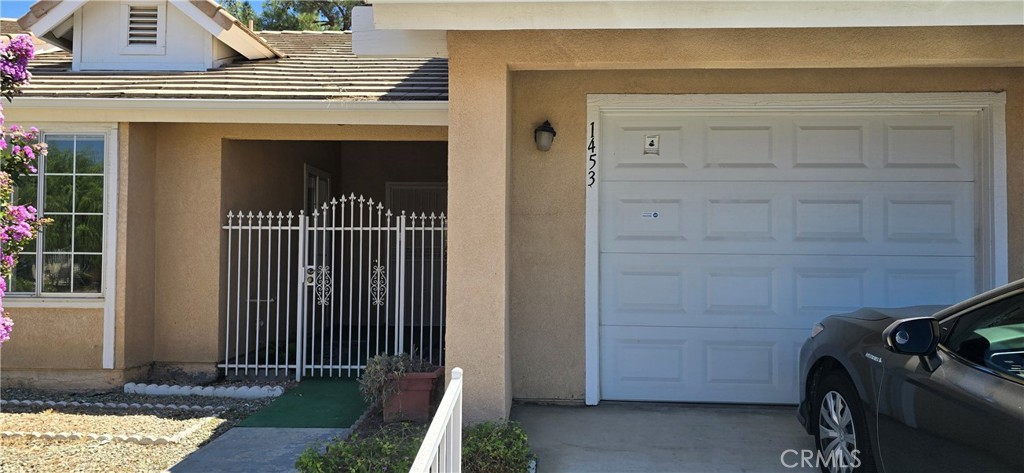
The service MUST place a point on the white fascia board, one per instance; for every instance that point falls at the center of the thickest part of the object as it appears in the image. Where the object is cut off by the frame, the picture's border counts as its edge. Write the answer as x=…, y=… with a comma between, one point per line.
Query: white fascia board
x=63, y=28
x=649, y=14
x=416, y=113
x=369, y=41
x=245, y=44
x=234, y=37
x=56, y=16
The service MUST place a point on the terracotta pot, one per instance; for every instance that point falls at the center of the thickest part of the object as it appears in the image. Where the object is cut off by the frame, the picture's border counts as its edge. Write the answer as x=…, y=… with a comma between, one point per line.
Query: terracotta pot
x=413, y=400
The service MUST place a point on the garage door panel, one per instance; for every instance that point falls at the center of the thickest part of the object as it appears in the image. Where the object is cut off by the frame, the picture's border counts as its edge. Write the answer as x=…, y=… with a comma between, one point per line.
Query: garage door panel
x=927, y=144
x=764, y=291
x=867, y=218
x=758, y=298
x=798, y=146
x=725, y=235
x=702, y=365
x=743, y=145
x=630, y=131
x=906, y=287
x=833, y=144
x=745, y=217
x=832, y=217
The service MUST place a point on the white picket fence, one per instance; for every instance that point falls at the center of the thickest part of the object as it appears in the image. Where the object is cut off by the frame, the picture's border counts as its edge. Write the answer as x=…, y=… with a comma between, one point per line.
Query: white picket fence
x=441, y=450
x=318, y=295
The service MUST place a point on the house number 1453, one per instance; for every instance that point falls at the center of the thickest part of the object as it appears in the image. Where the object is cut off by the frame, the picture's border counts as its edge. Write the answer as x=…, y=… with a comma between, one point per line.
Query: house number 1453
x=592, y=159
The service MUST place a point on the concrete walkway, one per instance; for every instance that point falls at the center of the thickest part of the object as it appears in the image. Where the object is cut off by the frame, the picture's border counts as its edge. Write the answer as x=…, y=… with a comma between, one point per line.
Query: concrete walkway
x=652, y=438
x=255, y=450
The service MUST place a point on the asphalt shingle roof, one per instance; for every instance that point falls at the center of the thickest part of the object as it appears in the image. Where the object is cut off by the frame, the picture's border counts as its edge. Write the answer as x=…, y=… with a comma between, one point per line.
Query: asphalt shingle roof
x=320, y=65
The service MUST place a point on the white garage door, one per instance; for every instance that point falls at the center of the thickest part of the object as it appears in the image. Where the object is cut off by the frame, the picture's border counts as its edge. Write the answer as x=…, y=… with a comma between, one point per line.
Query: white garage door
x=724, y=238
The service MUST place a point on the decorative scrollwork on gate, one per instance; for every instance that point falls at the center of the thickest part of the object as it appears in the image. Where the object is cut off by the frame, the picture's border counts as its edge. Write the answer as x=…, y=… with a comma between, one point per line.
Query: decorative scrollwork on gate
x=324, y=285
x=378, y=285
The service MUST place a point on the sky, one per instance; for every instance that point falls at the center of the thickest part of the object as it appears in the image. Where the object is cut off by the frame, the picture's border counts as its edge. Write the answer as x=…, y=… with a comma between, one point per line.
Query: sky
x=16, y=8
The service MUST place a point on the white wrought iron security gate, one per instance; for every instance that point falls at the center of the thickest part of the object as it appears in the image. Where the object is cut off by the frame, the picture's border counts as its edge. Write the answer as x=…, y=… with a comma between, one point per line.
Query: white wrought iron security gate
x=318, y=295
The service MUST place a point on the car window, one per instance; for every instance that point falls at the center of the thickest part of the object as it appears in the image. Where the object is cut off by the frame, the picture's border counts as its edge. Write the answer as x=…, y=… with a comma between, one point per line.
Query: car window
x=992, y=336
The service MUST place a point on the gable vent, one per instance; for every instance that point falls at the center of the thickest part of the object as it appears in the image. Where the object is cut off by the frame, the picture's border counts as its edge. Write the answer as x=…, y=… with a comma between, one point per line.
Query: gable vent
x=142, y=25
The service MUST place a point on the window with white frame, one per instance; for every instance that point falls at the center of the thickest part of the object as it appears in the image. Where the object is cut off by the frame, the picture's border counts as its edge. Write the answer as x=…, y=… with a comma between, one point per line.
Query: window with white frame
x=67, y=258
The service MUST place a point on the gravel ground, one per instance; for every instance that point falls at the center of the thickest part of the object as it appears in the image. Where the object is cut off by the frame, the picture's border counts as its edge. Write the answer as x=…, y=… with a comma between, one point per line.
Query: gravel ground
x=91, y=420
x=53, y=456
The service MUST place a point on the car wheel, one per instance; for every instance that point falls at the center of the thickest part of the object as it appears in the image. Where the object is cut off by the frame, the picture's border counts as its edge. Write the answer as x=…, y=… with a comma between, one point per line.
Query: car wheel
x=841, y=435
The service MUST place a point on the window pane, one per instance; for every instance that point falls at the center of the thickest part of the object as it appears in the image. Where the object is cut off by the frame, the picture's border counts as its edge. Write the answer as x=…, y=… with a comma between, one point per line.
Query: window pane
x=72, y=178
x=89, y=157
x=89, y=233
x=57, y=235
x=88, y=269
x=61, y=150
x=58, y=194
x=89, y=194
x=56, y=273
x=25, y=193
x=24, y=277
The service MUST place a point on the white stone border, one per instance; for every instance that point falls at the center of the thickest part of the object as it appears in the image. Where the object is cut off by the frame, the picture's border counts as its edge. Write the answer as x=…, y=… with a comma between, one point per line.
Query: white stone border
x=239, y=392
x=135, y=438
x=113, y=405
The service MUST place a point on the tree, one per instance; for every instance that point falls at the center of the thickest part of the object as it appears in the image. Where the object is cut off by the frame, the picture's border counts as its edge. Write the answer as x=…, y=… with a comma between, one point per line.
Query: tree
x=242, y=11
x=307, y=14
x=19, y=148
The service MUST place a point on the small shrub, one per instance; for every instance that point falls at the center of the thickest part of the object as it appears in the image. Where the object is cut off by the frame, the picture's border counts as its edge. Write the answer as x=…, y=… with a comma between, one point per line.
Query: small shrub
x=495, y=447
x=490, y=447
x=378, y=380
x=390, y=449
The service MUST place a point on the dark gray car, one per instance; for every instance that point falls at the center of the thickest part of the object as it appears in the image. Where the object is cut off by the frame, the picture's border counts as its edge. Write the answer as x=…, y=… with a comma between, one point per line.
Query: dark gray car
x=919, y=388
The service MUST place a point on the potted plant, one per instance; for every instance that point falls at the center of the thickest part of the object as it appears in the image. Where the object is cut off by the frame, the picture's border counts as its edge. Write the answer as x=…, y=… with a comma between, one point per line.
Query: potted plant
x=403, y=384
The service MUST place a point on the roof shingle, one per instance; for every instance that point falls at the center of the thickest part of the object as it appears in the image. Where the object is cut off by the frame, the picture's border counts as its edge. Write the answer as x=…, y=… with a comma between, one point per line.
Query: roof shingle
x=319, y=66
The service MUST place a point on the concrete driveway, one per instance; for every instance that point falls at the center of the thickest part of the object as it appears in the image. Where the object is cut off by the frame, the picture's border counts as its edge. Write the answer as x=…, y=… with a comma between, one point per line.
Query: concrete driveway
x=646, y=437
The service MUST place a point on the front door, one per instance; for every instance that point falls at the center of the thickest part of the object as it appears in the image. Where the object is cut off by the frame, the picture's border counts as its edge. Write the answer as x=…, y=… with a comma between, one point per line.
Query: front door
x=318, y=188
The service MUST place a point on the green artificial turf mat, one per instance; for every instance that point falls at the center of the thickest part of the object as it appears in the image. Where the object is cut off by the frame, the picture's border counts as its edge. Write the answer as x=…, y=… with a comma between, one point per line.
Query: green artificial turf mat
x=315, y=402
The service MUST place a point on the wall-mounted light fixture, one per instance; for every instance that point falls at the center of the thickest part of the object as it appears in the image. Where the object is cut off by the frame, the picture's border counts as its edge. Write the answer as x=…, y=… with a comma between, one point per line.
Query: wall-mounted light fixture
x=544, y=135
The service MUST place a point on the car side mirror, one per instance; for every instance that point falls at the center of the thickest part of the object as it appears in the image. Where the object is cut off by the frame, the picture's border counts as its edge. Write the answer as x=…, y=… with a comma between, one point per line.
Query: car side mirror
x=917, y=336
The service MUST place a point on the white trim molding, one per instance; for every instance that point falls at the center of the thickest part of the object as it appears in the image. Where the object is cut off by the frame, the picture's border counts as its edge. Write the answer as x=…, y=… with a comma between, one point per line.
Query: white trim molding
x=51, y=18
x=592, y=255
x=110, y=203
x=232, y=34
x=15, y=301
x=648, y=14
x=991, y=213
x=370, y=41
x=300, y=112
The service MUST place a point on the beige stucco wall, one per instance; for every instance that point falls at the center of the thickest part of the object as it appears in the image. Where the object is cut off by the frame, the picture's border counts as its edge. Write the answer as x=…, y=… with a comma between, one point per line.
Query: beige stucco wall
x=517, y=215
x=76, y=333
x=189, y=212
x=252, y=168
x=367, y=166
x=136, y=249
x=477, y=334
